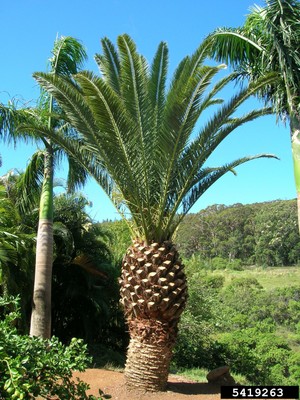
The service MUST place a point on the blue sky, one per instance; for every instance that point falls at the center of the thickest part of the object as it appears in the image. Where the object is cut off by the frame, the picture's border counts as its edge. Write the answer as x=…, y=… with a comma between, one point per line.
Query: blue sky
x=28, y=30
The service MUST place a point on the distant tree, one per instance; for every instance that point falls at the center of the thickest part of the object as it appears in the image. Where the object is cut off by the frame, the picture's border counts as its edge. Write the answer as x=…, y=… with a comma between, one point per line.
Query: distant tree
x=219, y=231
x=276, y=234
x=260, y=233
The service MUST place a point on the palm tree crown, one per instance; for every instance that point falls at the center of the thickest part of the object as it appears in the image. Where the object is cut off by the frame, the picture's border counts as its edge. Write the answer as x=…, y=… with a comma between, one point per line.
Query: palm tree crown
x=135, y=134
x=267, y=42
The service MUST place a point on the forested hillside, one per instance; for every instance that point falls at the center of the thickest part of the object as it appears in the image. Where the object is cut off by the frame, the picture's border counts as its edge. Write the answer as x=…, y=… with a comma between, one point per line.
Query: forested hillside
x=260, y=233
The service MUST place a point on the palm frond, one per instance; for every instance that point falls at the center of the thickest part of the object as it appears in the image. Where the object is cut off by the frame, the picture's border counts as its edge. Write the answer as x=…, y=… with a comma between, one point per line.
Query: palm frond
x=109, y=64
x=116, y=131
x=209, y=176
x=11, y=118
x=267, y=42
x=76, y=111
x=86, y=155
x=134, y=95
x=234, y=47
x=68, y=56
x=185, y=173
x=29, y=185
x=134, y=81
x=64, y=241
x=133, y=134
x=156, y=91
x=77, y=175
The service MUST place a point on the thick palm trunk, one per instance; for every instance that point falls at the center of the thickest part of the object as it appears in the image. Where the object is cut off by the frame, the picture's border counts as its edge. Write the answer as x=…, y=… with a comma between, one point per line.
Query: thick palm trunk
x=295, y=137
x=154, y=293
x=41, y=307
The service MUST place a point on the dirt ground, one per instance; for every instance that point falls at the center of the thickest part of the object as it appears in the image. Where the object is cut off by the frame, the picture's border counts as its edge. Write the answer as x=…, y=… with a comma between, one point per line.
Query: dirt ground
x=179, y=388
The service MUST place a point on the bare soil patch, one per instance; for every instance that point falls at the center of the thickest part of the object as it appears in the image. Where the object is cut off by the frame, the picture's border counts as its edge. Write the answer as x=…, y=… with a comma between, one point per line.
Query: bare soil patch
x=179, y=388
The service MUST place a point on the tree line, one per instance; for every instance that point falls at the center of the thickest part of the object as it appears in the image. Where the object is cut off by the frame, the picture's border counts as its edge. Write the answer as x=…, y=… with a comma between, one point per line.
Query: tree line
x=263, y=234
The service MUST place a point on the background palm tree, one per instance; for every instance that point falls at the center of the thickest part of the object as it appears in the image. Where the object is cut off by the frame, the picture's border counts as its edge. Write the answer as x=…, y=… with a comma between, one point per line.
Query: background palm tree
x=17, y=246
x=134, y=136
x=68, y=55
x=269, y=42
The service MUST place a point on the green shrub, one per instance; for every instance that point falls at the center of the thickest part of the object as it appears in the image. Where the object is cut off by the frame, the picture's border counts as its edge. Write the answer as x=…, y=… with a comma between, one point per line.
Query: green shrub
x=219, y=263
x=31, y=366
x=195, y=347
x=261, y=356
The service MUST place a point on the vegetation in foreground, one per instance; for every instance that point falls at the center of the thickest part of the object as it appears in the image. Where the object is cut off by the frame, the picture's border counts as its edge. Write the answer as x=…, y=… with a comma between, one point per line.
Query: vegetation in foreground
x=31, y=366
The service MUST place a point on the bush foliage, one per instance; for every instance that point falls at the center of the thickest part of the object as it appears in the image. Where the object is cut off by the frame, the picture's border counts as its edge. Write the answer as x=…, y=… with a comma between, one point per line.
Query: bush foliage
x=240, y=324
x=31, y=367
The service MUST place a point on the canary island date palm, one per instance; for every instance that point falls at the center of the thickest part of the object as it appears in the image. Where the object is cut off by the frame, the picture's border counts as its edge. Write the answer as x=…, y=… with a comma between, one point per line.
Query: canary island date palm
x=269, y=42
x=68, y=55
x=139, y=138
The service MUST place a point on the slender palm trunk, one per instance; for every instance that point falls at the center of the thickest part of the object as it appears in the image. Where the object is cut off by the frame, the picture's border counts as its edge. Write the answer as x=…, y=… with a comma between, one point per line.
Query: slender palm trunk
x=41, y=308
x=295, y=138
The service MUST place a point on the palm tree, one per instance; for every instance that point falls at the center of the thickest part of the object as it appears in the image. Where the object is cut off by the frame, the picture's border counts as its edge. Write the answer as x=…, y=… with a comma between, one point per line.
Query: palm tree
x=134, y=136
x=269, y=42
x=67, y=57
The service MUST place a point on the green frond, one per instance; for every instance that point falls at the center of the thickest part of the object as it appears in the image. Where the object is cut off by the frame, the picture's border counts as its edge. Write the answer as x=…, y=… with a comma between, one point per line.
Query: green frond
x=8, y=253
x=68, y=56
x=11, y=118
x=133, y=86
x=77, y=175
x=267, y=42
x=233, y=46
x=157, y=83
x=134, y=73
x=109, y=64
x=63, y=238
x=76, y=111
x=134, y=135
x=209, y=176
x=29, y=184
x=114, y=129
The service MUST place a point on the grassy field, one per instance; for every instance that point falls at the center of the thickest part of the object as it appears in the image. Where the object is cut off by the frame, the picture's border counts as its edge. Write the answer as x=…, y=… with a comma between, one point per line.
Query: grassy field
x=269, y=278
